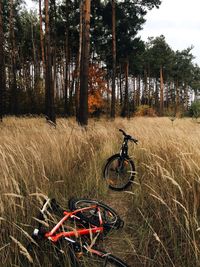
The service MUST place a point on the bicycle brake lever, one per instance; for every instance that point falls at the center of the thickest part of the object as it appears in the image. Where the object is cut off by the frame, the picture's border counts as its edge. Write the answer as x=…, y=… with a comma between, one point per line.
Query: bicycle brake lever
x=134, y=140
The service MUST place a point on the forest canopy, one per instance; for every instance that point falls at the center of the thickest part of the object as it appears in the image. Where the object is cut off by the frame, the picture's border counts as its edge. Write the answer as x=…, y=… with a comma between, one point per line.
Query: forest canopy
x=33, y=45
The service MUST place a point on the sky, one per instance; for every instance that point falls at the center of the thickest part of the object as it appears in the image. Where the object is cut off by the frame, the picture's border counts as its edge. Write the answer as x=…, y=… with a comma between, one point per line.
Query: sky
x=177, y=20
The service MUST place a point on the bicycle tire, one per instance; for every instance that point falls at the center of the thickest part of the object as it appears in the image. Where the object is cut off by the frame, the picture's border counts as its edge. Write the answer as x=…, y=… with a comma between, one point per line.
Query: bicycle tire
x=112, y=174
x=111, y=220
x=101, y=259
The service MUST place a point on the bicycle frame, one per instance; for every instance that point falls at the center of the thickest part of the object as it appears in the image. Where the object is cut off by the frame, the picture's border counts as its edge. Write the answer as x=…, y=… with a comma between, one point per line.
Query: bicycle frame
x=76, y=248
x=124, y=148
x=76, y=233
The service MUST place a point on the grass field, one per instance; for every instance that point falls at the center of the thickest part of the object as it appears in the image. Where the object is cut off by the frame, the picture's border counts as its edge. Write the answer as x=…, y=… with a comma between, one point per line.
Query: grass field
x=161, y=210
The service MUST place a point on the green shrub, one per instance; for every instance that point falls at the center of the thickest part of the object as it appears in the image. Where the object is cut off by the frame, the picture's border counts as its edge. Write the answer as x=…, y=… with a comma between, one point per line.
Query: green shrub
x=195, y=109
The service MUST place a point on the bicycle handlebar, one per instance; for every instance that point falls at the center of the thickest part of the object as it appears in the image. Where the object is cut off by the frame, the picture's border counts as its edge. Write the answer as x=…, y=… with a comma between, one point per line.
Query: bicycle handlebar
x=129, y=137
x=122, y=132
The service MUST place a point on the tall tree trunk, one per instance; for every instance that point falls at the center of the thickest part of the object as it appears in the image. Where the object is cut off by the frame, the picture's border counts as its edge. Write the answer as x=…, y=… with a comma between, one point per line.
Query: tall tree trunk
x=186, y=97
x=177, y=98
x=149, y=87
x=120, y=85
x=53, y=19
x=172, y=95
x=49, y=92
x=145, y=92
x=125, y=109
x=112, y=114
x=66, y=107
x=78, y=65
x=73, y=89
x=138, y=91
x=35, y=71
x=41, y=36
x=167, y=96
x=2, y=71
x=83, y=102
x=14, y=90
x=134, y=94
x=157, y=108
x=161, y=92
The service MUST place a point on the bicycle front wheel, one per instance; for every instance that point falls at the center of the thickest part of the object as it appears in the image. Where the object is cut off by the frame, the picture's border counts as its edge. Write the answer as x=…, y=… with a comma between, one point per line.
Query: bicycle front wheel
x=119, y=172
x=111, y=219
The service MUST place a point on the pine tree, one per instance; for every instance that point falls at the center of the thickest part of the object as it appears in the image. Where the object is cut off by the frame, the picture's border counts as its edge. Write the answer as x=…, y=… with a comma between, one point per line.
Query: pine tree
x=49, y=92
x=2, y=72
x=84, y=66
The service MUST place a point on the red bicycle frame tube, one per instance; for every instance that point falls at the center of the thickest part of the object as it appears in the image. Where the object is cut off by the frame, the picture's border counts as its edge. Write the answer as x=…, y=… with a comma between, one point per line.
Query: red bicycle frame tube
x=94, y=229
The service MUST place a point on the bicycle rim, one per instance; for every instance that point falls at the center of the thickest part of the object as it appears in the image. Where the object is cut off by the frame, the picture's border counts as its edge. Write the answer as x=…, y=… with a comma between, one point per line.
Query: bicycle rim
x=119, y=172
x=101, y=259
x=109, y=216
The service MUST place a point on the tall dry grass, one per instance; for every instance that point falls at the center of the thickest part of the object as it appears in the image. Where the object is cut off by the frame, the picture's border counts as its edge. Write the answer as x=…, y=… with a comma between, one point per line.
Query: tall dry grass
x=161, y=210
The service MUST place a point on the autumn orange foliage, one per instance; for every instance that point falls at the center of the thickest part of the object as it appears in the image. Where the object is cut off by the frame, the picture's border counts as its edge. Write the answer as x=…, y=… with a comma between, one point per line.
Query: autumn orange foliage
x=97, y=88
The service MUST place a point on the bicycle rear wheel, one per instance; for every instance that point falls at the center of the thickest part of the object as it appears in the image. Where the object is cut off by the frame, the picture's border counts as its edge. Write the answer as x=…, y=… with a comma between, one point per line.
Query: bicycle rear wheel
x=119, y=172
x=111, y=219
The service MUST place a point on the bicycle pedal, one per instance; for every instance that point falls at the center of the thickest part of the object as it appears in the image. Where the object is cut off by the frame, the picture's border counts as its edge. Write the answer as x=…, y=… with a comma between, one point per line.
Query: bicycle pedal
x=76, y=247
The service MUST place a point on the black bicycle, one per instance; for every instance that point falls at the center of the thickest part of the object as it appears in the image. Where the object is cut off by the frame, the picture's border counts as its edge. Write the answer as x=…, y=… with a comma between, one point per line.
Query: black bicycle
x=119, y=170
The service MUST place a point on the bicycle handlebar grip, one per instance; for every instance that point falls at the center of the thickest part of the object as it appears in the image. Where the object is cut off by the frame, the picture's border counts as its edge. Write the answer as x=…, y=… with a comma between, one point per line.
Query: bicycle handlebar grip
x=39, y=232
x=122, y=131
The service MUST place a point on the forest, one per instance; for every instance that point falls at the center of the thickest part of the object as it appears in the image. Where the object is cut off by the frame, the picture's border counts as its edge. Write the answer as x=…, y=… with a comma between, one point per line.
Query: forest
x=83, y=67
x=76, y=58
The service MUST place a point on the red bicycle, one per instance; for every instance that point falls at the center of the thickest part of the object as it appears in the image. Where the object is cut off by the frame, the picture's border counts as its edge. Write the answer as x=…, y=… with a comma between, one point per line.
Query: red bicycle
x=88, y=220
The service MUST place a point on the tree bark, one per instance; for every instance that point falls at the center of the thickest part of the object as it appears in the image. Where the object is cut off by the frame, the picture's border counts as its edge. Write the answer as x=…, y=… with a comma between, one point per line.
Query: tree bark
x=125, y=109
x=78, y=65
x=161, y=92
x=177, y=98
x=114, y=60
x=120, y=85
x=138, y=91
x=134, y=94
x=145, y=93
x=84, y=66
x=14, y=105
x=41, y=35
x=186, y=97
x=157, y=96
x=2, y=71
x=66, y=105
x=49, y=92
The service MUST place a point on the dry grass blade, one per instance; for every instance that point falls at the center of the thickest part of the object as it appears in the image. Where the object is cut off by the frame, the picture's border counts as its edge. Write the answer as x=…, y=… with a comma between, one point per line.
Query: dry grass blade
x=26, y=234
x=6, y=245
x=23, y=250
x=44, y=223
x=38, y=161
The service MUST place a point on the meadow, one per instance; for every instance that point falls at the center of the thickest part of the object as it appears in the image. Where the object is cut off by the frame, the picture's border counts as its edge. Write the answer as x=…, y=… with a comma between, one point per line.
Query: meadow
x=161, y=209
